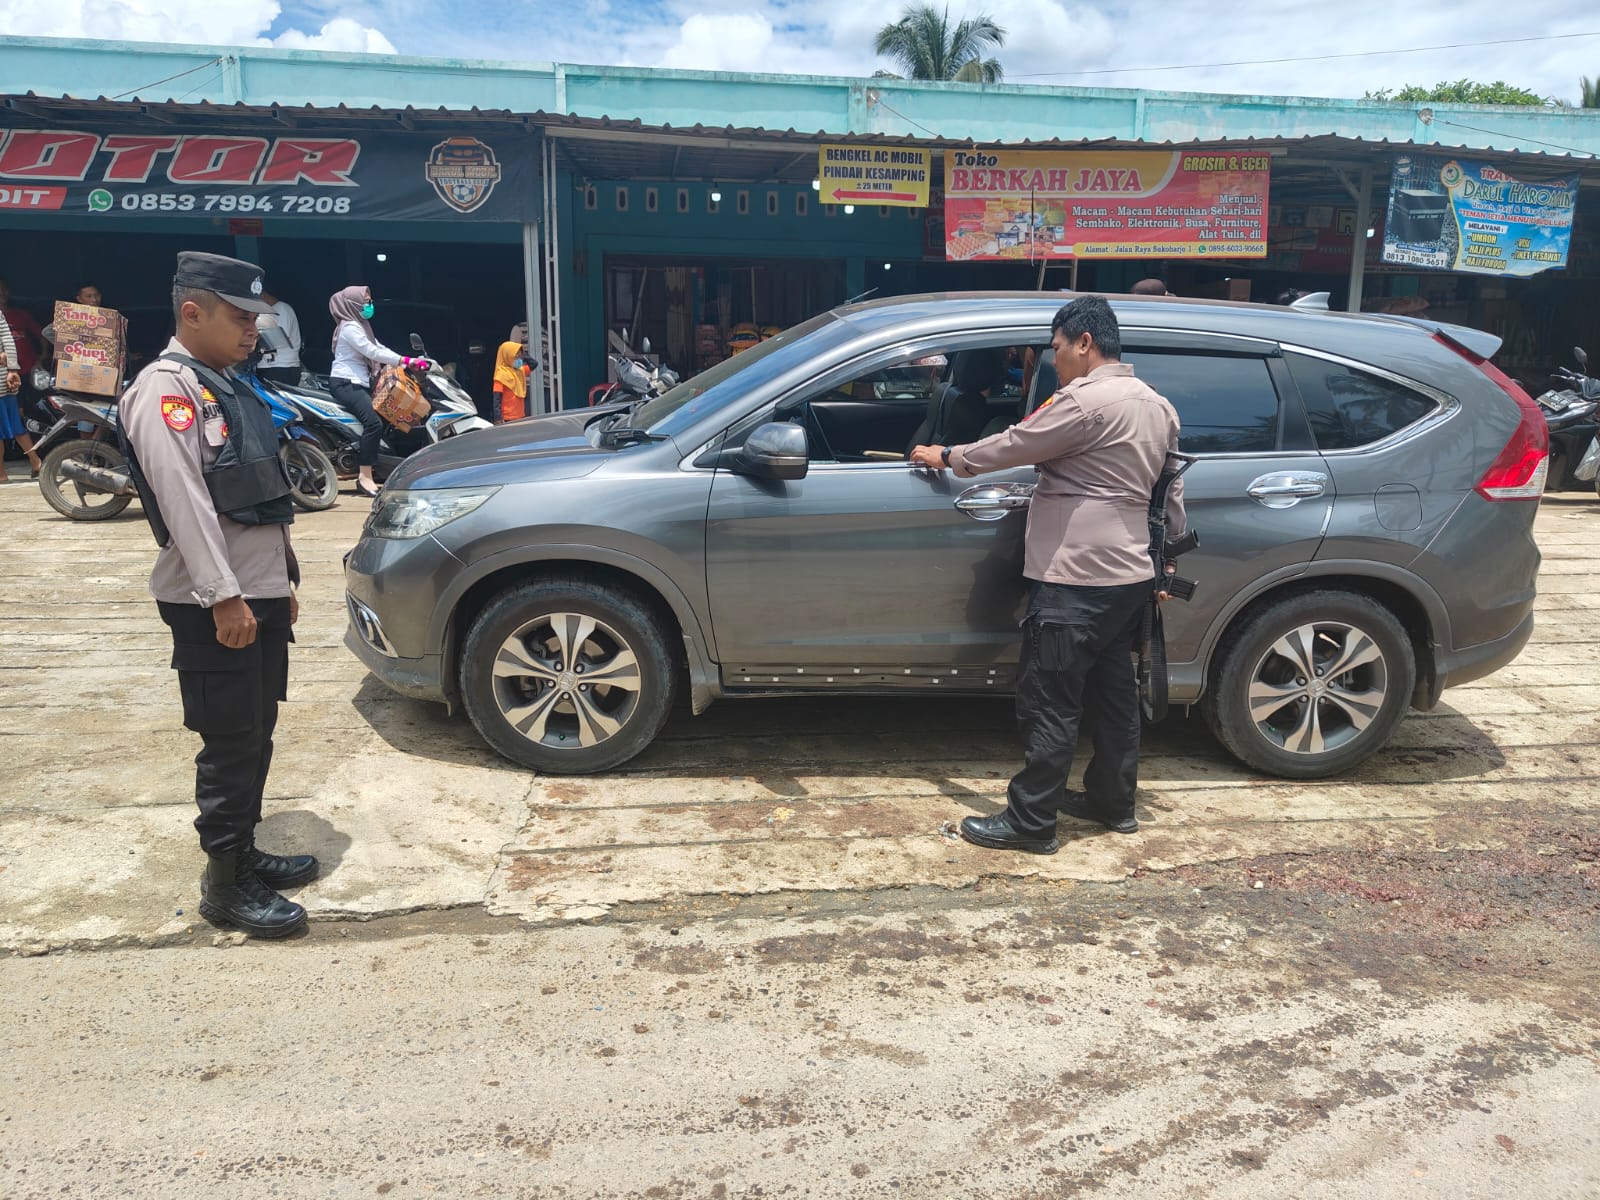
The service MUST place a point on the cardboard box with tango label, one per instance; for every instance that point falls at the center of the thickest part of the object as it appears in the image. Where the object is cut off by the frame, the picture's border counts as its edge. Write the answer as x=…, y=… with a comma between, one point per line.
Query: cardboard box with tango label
x=91, y=348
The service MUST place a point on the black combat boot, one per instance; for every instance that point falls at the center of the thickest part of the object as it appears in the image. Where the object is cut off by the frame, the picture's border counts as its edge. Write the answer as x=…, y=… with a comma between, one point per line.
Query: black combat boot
x=279, y=870
x=233, y=896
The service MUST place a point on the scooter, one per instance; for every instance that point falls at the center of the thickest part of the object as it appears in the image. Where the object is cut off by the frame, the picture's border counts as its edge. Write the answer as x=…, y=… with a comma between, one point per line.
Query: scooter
x=311, y=473
x=1569, y=412
x=84, y=474
x=1588, y=469
x=633, y=379
x=338, y=431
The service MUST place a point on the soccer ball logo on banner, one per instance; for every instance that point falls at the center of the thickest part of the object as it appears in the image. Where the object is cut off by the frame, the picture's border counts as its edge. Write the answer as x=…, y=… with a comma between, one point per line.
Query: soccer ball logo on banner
x=463, y=171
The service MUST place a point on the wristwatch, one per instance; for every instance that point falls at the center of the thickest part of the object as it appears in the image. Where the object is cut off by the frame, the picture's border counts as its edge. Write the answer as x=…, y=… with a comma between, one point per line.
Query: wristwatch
x=945, y=454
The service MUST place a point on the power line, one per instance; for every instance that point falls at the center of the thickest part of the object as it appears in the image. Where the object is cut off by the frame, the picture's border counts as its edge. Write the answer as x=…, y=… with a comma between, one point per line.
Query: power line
x=1263, y=62
x=210, y=62
x=1516, y=137
x=882, y=103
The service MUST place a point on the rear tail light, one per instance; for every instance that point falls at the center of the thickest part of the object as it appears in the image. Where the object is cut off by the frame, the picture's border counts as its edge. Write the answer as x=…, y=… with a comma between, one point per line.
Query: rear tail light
x=1518, y=471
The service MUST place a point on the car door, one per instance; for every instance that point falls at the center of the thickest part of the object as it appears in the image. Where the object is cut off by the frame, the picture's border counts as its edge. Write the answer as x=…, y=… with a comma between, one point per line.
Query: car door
x=863, y=573
x=1260, y=494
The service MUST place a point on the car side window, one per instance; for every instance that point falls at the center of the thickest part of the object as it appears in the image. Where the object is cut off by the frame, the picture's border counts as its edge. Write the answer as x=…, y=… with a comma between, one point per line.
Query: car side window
x=958, y=394
x=1226, y=403
x=1350, y=408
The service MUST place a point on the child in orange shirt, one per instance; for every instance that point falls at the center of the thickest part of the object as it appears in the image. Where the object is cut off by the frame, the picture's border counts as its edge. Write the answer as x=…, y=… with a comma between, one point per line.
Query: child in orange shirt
x=511, y=381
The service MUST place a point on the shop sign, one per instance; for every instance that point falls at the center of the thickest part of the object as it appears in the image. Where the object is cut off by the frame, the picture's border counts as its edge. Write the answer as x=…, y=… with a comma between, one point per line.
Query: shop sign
x=1461, y=215
x=375, y=177
x=1037, y=205
x=896, y=176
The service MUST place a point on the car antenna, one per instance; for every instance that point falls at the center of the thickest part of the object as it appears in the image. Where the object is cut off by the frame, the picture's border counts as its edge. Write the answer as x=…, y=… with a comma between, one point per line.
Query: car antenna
x=863, y=296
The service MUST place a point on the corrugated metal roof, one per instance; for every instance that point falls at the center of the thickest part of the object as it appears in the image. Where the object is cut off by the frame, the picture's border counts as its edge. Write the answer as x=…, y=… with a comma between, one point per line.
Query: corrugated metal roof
x=627, y=148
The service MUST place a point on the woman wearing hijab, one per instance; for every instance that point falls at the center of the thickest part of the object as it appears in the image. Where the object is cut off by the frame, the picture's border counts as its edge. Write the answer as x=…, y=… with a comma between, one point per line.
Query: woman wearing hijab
x=511, y=381
x=357, y=353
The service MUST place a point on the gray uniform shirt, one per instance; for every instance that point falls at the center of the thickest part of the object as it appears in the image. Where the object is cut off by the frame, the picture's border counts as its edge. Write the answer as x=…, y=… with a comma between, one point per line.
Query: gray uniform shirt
x=177, y=431
x=1099, y=443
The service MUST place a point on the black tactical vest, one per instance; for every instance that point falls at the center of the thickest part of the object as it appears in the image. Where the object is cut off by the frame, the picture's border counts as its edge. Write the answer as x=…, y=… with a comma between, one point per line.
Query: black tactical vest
x=247, y=481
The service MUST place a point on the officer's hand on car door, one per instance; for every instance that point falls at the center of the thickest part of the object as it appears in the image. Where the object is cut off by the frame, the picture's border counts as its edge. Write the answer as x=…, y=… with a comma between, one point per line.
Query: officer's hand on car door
x=236, y=624
x=931, y=457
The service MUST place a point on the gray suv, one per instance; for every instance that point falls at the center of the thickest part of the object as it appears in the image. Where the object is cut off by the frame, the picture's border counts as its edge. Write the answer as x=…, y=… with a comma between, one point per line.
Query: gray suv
x=1365, y=496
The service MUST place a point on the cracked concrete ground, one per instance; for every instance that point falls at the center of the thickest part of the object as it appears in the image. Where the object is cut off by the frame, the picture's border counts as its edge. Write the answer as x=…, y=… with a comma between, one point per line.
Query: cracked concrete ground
x=748, y=964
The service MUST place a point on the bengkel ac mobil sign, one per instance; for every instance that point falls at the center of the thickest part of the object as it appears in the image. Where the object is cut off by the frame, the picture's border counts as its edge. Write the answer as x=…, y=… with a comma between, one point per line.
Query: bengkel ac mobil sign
x=375, y=177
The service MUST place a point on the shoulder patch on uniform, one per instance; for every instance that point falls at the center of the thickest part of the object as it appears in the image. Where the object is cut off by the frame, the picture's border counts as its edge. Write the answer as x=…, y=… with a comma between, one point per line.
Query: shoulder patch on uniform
x=177, y=412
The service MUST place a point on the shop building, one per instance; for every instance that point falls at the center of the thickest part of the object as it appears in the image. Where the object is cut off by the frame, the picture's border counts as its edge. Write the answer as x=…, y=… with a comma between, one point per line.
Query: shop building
x=687, y=207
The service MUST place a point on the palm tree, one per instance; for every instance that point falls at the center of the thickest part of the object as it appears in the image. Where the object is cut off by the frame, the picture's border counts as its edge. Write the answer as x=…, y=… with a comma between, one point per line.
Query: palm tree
x=925, y=46
x=1591, y=92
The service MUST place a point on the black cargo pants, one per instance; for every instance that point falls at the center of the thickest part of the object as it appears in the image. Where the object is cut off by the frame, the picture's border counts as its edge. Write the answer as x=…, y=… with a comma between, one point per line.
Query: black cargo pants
x=1077, y=674
x=230, y=698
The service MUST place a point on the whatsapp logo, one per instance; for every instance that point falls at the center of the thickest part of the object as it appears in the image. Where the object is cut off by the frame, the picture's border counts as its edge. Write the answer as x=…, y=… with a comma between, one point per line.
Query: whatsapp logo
x=99, y=200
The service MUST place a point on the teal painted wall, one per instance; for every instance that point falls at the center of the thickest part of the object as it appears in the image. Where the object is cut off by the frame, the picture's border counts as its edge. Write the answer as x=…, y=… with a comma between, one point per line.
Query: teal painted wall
x=588, y=236
x=993, y=114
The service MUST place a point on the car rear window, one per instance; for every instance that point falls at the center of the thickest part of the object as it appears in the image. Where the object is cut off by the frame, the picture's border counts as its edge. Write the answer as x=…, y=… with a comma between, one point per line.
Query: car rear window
x=1349, y=408
x=1226, y=403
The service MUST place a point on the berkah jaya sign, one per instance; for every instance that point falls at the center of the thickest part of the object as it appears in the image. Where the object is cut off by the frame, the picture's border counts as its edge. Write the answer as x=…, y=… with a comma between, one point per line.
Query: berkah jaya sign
x=373, y=177
x=1105, y=204
x=1459, y=214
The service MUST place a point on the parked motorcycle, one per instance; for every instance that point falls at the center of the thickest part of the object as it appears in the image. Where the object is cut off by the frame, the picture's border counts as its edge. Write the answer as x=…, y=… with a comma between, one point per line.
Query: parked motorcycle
x=311, y=472
x=1569, y=412
x=633, y=379
x=1588, y=469
x=84, y=474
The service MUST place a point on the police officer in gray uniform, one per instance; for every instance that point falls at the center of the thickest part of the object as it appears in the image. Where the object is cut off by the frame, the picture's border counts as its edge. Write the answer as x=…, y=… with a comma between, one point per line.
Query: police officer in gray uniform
x=204, y=456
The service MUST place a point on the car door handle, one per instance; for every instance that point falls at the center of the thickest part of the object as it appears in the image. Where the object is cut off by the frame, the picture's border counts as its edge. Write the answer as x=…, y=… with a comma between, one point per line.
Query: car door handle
x=992, y=501
x=1285, y=489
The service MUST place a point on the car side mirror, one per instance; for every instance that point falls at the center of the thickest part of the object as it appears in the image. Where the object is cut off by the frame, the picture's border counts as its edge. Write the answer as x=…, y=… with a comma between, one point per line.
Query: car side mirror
x=776, y=450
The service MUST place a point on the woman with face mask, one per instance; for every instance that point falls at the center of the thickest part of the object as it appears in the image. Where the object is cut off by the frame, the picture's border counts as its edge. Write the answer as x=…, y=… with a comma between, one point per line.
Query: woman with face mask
x=357, y=354
x=511, y=381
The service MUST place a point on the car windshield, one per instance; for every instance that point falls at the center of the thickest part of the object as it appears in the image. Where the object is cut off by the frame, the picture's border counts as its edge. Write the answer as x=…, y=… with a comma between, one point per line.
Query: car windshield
x=676, y=410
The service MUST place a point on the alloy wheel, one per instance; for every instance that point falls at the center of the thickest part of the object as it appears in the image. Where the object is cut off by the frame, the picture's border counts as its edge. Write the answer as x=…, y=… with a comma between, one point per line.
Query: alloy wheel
x=567, y=681
x=1318, y=687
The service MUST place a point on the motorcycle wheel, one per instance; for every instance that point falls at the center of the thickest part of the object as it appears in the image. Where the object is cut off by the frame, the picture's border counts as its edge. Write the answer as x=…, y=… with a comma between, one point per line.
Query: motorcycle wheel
x=71, y=498
x=311, y=474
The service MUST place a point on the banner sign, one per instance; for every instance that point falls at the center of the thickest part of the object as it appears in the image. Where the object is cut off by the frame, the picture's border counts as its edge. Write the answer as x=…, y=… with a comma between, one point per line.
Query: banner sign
x=1037, y=205
x=375, y=177
x=1460, y=215
x=893, y=175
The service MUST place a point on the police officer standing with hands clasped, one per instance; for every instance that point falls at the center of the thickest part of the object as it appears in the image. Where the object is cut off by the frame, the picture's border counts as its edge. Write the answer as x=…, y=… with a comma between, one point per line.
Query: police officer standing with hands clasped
x=204, y=457
x=1100, y=444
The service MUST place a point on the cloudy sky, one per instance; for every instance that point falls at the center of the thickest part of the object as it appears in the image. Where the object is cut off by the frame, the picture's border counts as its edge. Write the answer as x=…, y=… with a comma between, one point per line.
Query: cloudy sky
x=1109, y=43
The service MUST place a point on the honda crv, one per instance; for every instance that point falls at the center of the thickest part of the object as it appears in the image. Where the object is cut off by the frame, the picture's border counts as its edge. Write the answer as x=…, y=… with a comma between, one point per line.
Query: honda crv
x=1364, y=493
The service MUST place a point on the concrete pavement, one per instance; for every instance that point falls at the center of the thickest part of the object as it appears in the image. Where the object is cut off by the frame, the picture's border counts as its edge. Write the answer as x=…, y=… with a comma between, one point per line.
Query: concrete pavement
x=752, y=964
x=410, y=811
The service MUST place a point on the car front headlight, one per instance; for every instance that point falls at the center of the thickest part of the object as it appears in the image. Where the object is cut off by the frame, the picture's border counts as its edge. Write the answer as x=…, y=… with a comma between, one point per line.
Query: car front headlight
x=413, y=514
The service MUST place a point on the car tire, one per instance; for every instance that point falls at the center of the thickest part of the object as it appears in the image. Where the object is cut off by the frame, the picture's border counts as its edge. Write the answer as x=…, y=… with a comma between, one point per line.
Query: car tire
x=1326, y=723
x=525, y=661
